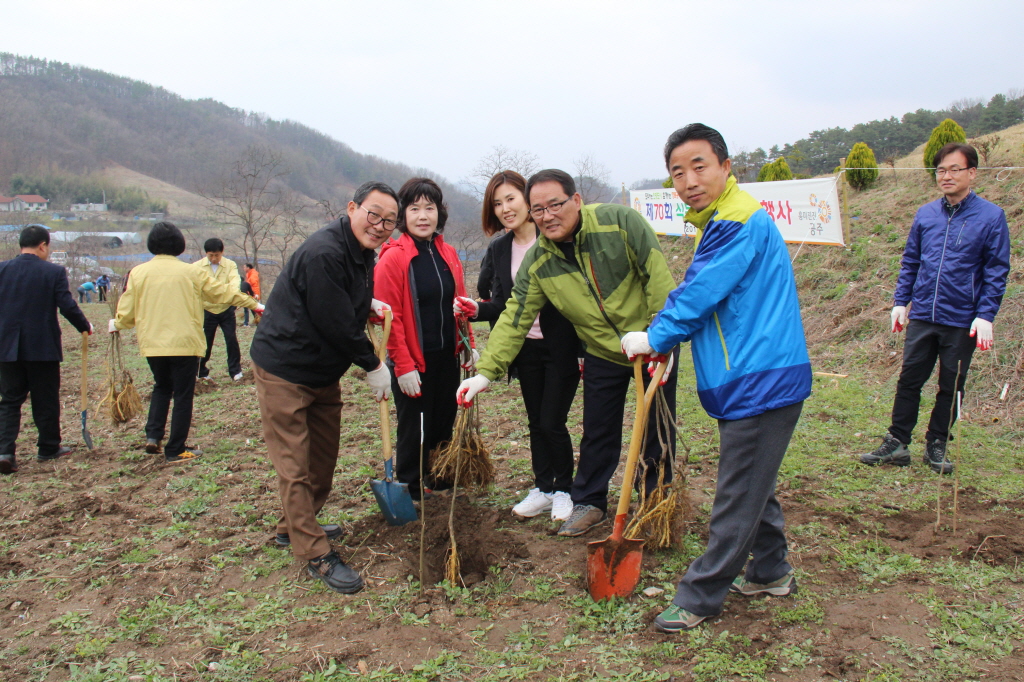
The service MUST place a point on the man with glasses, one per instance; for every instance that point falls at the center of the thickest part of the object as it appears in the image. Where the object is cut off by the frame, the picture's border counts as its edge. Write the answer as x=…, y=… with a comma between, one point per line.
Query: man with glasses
x=602, y=268
x=952, y=281
x=312, y=331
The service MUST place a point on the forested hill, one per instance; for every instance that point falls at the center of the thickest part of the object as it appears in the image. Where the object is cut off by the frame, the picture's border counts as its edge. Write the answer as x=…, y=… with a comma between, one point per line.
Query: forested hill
x=58, y=117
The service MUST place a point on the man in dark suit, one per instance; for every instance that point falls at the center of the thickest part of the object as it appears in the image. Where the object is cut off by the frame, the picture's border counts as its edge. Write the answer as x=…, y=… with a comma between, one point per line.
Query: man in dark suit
x=30, y=349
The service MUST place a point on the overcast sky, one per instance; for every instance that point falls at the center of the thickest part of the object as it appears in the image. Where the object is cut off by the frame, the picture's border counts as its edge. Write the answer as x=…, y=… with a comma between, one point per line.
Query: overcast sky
x=439, y=84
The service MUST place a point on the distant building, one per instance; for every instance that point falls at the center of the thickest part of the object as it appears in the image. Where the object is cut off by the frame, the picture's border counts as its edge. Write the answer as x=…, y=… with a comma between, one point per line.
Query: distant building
x=23, y=202
x=6, y=203
x=89, y=207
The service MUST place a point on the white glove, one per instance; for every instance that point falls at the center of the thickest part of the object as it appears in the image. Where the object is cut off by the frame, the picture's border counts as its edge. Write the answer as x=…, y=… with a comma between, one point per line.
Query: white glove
x=669, y=360
x=377, y=309
x=899, y=318
x=465, y=306
x=474, y=358
x=260, y=308
x=469, y=388
x=90, y=329
x=635, y=343
x=410, y=384
x=982, y=331
x=111, y=327
x=380, y=382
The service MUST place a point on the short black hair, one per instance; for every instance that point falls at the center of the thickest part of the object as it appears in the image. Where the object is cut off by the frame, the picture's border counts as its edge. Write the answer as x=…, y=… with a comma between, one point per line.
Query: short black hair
x=373, y=186
x=32, y=236
x=969, y=152
x=213, y=245
x=165, y=239
x=250, y=266
x=697, y=131
x=551, y=175
x=415, y=189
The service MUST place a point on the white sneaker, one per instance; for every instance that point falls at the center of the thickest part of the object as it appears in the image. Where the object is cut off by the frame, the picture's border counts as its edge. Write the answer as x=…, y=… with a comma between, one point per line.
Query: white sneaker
x=561, y=506
x=535, y=503
x=238, y=377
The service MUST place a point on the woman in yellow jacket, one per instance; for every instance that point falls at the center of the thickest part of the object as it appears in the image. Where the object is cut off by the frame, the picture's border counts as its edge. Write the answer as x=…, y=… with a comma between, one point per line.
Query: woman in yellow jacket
x=164, y=300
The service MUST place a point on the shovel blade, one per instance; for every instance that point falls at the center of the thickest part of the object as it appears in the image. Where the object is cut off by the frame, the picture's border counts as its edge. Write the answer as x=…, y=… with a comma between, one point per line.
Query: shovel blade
x=394, y=501
x=613, y=567
x=86, y=436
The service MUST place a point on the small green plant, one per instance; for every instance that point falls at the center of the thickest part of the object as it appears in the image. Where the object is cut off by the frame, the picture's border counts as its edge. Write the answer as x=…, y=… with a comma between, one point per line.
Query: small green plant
x=863, y=166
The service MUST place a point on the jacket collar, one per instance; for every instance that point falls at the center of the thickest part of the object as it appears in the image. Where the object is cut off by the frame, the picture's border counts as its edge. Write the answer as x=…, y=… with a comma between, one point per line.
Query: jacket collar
x=355, y=249
x=701, y=218
x=964, y=203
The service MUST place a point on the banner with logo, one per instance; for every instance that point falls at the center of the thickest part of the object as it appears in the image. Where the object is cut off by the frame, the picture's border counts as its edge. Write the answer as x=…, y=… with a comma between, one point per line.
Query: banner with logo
x=805, y=211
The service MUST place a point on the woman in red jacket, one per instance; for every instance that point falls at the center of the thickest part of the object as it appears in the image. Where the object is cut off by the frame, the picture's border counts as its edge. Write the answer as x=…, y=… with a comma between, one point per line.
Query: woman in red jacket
x=419, y=275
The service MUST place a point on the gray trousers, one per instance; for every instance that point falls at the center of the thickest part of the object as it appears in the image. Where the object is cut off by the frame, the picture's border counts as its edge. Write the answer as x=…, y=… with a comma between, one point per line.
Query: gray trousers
x=746, y=518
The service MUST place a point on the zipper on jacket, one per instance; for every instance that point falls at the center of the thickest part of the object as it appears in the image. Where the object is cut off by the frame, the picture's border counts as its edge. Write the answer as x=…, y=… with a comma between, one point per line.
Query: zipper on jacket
x=721, y=337
x=961, y=233
x=942, y=259
x=593, y=292
x=440, y=283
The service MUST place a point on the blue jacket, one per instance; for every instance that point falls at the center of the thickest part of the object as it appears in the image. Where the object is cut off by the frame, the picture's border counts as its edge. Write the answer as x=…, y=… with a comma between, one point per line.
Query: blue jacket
x=738, y=308
x=32, y=292
x=955, y=263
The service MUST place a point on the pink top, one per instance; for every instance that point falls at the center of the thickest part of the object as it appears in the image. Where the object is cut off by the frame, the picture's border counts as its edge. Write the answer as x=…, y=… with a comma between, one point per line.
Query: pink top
x=518, y=253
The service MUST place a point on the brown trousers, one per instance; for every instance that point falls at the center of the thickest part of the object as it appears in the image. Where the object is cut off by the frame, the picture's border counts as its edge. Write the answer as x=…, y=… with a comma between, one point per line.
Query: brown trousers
x=301, y=428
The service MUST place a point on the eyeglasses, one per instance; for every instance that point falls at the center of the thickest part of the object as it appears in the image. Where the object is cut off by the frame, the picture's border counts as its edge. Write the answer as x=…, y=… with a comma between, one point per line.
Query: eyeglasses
x=377, y=219
x=553, y=209
x=951, y=172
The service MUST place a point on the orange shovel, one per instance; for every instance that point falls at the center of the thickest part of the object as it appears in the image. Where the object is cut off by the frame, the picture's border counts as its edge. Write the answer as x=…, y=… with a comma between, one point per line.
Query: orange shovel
x=613, y=565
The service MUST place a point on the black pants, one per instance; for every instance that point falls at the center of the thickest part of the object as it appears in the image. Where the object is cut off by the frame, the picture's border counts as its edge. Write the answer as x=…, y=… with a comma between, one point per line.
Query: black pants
x=226, y=321
x=103, y=293
x=17, y=381
x=436, y=403
x=746, y=518
x=604, y=400
x=549, y=388
x=173, y=376
x=953, y=346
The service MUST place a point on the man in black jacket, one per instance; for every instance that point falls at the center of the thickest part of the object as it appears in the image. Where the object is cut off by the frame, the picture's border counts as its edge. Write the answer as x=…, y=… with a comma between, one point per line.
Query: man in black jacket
x=32, y=292
x=311, y=333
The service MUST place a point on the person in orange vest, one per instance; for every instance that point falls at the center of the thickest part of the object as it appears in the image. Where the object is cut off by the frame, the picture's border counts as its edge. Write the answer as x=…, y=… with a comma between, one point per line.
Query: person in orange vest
x=252, y=277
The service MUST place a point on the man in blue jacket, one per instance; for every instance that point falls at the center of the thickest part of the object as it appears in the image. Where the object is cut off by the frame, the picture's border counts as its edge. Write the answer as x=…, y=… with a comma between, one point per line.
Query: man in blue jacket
x=952, y=279
x=30, y=349
x=738, y=308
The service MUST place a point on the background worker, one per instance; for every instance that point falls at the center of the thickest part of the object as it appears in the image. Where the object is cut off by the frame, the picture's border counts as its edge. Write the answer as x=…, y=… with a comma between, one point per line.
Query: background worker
x=546, y=364
x=33, y=291
x=602, y=268
x=252, y=280
x=225, y=271
x=312, y=332
x=85, y=290
x=951, y=281
x=738, y=308
x=102, y=286
x=164, y=301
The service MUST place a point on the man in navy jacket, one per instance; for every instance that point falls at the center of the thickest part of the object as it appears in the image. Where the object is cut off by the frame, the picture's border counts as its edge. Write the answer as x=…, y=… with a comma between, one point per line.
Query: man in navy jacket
x=952, y=279
x=30, y=349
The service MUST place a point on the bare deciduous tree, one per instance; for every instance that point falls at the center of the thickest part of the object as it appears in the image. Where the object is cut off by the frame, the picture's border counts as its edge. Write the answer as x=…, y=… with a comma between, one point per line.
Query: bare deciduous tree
x=253, y=198
x=985, y=146
x=591, y=179
x=501, y=158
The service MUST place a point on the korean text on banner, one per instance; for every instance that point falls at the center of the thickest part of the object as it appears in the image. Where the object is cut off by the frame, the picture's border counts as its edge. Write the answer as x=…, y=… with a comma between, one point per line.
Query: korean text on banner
x=805, y=211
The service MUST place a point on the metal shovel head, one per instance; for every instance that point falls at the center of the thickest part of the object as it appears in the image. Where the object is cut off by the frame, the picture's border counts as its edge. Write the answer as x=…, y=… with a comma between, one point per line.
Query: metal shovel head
x=86, y=436
x=613, y=567
x=394, y=501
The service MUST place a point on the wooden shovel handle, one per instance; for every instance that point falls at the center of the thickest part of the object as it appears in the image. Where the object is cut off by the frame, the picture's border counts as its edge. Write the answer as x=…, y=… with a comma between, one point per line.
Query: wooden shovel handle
x=85, y=373
x=636, y=442
x=381, y=346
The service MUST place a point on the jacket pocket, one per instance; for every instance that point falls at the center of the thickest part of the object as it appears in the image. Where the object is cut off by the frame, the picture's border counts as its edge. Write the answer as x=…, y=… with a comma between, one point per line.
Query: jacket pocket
x=721, y=337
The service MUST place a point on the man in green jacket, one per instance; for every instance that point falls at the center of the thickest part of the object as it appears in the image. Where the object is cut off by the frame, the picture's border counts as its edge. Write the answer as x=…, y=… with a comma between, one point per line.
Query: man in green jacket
x=602, y=268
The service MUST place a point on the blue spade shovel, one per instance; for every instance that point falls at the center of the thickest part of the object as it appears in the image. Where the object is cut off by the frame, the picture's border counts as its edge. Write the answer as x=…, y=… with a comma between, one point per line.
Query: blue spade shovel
x=393, y=497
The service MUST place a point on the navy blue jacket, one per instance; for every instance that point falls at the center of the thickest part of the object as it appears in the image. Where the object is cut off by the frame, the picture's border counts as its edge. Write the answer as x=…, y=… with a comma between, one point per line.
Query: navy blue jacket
x=31, y=291
x=955, y=263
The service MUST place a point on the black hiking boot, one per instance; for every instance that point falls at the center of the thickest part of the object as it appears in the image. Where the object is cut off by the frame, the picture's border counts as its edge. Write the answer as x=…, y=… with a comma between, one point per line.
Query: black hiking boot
x=891, y=451
x=935, y=457
x=335, y=574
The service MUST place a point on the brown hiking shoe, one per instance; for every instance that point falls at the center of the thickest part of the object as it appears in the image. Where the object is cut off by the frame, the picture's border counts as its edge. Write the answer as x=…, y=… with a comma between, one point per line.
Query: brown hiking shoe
x=582, y=519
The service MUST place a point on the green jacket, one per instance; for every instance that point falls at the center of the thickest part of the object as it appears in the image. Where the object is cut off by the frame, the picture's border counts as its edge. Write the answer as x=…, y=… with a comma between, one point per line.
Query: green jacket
x=623, y=282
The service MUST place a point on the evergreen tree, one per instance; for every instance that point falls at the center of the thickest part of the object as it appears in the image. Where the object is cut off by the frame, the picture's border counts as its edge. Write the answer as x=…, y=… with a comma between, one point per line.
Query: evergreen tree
x=944, y=133
x=864, y=166
x=776, y=170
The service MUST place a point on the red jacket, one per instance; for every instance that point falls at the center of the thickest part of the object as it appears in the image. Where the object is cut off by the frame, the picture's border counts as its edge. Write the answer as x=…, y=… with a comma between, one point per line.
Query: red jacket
x=391, y=285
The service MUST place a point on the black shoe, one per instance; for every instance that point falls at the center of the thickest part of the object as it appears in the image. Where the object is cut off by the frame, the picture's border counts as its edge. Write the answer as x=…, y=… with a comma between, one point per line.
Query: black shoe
x=8, y=464
x=190, y=453
x=891, y=451
x=935, y=457
x=331, y=530
x=335, y=574
x=153, y=446
x=49, y=458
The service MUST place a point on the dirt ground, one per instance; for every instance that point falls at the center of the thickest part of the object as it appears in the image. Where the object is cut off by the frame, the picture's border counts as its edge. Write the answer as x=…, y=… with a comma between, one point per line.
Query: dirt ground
x=117, y=565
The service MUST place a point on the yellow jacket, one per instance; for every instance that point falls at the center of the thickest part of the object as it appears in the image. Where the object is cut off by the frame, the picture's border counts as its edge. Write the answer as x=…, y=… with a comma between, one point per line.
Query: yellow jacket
x=227, y=272
x=164, y=299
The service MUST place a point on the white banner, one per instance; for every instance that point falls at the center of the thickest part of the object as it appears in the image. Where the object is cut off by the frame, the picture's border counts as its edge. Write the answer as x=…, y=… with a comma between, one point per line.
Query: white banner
x=805, y=211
